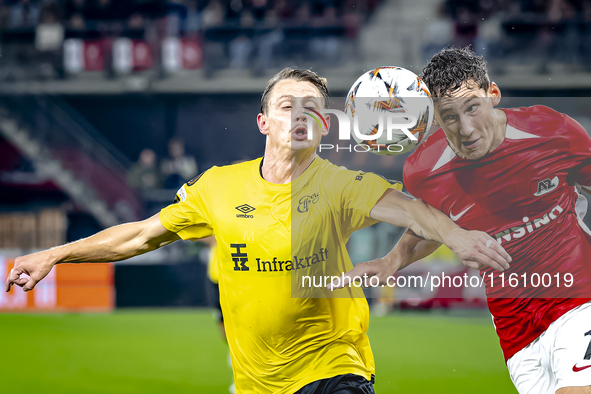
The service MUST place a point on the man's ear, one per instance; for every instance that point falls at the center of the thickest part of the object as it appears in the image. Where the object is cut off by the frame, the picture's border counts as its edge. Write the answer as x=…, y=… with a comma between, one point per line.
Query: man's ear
x=263, y=124
x=435, y=122
x=327, y=119
x=495, y=92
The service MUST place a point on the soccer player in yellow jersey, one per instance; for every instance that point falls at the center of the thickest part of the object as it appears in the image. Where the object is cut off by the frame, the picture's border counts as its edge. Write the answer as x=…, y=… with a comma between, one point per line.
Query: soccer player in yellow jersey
x=289, y=212
x=213, y=279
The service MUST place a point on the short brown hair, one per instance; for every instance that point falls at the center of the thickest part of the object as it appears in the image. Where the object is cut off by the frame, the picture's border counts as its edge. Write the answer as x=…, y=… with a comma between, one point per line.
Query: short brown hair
x=298, y=75
x=451, y=67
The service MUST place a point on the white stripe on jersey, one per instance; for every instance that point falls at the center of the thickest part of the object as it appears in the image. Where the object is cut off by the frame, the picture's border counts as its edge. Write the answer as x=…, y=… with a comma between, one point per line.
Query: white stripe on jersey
x=510, y=133
x=581, y=210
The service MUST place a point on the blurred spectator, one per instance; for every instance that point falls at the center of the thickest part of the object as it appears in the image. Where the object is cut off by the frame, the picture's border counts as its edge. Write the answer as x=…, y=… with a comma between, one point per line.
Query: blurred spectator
x=324, y=43
x=145, y=173
x=178, y=167
x=76, y=22
x=50, y=32
x=286, y=10
x=562, y=16
x=438, y=34
x=25, y=13
x=466, y=28
x=259, y=9
x=136, y=21
x=176, y=12
x=240, y=49
x=465, y=14
x=303, y=12
x=213, y=14
x=50, y=13
x=194, y=18
x=352, y=17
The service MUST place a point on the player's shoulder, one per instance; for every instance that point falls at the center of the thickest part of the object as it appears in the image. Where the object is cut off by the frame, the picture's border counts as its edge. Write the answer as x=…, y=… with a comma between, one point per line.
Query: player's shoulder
x=228, y=173
x=217, y=178
x=539, y=112
x=424, y=158
x=540, y=120
x=336, y=177
x=328, y=174
x=326, y=168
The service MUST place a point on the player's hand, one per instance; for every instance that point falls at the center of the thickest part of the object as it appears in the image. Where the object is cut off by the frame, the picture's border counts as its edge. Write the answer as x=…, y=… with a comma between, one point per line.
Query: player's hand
x=29, y=270
x=381, y=268
x=476, y=249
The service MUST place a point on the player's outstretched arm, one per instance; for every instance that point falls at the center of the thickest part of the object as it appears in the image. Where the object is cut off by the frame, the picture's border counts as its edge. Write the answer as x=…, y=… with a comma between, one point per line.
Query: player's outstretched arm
x=113, y=244
x=408, y=249
x=474, y=248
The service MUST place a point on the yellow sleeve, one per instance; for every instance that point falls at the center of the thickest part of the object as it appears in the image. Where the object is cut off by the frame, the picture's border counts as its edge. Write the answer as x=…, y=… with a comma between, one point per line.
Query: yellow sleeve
x=188, y=216
x=360, y=193
x=213, y=266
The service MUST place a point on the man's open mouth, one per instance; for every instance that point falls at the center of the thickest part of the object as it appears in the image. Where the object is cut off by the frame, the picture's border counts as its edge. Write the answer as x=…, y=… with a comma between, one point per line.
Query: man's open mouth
x=471, y=144
x=300, y=131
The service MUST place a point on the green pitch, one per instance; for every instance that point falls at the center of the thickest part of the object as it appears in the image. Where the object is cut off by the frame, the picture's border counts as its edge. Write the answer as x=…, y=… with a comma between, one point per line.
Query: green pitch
x=163, y=351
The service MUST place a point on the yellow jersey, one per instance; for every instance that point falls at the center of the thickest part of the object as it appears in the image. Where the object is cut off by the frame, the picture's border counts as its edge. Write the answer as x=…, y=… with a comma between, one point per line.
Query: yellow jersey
x=213, y=266
x=278, y=342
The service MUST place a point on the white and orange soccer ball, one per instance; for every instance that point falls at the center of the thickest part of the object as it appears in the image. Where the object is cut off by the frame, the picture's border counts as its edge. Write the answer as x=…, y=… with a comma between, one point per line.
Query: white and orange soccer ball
x=391, y=110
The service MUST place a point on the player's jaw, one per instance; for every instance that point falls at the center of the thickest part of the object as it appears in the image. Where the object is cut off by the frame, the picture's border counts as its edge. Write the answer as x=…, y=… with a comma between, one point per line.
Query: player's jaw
x=300, y=143
x=473, y=148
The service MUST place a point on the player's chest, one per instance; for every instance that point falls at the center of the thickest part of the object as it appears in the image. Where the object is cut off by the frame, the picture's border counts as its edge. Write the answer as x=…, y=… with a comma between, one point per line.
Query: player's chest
x=495, y=194
x=267, y=234
x=265, y=215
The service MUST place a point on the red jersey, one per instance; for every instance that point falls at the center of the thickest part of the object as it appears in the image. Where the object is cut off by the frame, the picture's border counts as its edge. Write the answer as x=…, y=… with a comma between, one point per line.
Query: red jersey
x=522, y=194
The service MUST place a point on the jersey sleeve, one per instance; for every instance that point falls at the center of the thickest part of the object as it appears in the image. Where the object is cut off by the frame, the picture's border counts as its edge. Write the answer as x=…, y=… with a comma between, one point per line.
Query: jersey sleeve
x=580, y=152
x=360, y=193
x=188, y=216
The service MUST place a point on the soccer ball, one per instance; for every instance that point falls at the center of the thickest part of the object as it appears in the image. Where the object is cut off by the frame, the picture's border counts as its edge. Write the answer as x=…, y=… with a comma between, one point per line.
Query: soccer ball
x=391, y=110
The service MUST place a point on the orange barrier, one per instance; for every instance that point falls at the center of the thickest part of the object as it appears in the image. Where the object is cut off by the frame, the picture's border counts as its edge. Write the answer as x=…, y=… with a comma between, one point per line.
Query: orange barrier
x=68, y=287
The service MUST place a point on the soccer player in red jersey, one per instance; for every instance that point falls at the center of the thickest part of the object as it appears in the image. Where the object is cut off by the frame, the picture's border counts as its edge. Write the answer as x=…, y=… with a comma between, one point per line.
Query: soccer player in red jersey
x=516, y=174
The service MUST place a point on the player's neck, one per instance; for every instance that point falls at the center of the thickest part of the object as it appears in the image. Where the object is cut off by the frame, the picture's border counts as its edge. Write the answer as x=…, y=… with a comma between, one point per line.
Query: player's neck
x=500, y=129
x=280, y=168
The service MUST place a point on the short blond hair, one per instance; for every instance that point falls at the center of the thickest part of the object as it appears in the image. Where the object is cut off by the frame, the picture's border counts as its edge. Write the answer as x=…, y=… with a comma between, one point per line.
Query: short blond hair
x=298, y=75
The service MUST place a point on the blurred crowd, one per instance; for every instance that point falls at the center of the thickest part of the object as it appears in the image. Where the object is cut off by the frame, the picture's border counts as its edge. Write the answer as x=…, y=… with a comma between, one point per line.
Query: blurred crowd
x=168, y=36
x=538, y=32
x=62, y=38
x=169, y=173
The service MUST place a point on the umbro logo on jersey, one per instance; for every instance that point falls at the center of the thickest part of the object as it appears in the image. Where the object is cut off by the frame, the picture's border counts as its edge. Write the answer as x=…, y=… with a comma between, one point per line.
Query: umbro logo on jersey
x=245, y=209
x=546, y=186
